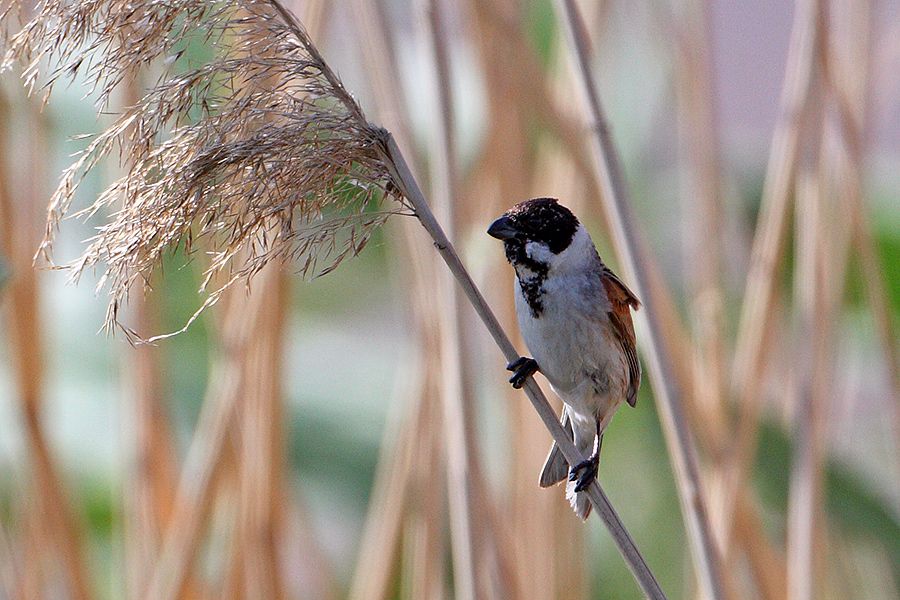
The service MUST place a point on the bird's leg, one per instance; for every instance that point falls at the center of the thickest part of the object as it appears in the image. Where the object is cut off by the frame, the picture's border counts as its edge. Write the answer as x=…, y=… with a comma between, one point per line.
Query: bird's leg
x=589, y=466
x=522, y=368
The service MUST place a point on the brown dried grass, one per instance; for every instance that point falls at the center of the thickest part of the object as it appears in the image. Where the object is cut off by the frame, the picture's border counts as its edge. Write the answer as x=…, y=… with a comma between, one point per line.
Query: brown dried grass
x=263, y=137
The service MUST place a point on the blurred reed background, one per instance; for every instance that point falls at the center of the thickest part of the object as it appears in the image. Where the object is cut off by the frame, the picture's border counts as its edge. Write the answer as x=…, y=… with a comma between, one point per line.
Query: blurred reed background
x=354, y=435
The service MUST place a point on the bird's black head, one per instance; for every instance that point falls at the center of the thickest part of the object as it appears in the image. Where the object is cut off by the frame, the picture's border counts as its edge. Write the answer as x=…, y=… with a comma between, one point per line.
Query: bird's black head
x=541, y=220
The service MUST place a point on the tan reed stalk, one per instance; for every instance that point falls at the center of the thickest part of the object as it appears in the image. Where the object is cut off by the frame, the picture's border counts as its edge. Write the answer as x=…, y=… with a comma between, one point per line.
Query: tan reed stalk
x=631, y=251
x=233, y=569
x=224, y=511
x=702, y=196
x=409, y=482
x=9, y=572
x=151, y=474
x=204, y=460
x=768, y=247
x=853, y=124
x=460, y=453
x=35, y=542
x=19, y=235
x=424, y=546
x=806, y=471
x=260, y=518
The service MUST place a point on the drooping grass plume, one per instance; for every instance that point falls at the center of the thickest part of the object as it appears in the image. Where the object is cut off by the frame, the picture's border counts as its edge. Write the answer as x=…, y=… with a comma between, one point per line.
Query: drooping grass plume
x=261, y=138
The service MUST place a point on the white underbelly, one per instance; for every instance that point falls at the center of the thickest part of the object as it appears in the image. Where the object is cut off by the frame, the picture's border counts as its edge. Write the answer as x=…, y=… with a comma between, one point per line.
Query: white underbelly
x=576, y=353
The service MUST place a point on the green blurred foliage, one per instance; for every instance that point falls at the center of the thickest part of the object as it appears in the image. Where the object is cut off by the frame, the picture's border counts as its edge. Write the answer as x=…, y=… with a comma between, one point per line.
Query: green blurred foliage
x=540, y=26
x=852, y=506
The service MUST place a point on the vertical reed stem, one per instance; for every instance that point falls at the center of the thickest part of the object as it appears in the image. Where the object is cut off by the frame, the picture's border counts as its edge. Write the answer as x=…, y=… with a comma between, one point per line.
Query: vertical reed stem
x=631, y=251
x=768, y=245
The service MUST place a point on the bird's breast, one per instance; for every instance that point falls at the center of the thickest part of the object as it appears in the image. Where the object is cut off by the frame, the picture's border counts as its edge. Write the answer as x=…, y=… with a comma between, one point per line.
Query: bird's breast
x=571, y=339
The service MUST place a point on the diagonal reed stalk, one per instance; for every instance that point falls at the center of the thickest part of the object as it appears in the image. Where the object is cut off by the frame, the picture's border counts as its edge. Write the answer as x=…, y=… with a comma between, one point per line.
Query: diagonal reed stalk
x=471, y=507
x=408, y=438
x=409, y=187
x=203, y=463
x=632, y=251
x=459, y=451
x=768, y=246
x=702, y=190
x=405, y=520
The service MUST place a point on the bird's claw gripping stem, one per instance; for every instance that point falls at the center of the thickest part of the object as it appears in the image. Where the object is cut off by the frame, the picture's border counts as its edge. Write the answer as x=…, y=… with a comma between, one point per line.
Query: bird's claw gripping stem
x=522, y=368
x=590, y=467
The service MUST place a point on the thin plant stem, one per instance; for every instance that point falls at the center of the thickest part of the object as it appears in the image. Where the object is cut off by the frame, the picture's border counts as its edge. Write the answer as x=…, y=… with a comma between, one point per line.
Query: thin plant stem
x=805, y=497
x=379, y=548
x=702, y=194
x=459, y=453
x=405, y=521
x=261, y=460
x=51, y=509
x=204, y=459
x=406, y=182
x=424, y=544
x=768, y=247
x=631, y=251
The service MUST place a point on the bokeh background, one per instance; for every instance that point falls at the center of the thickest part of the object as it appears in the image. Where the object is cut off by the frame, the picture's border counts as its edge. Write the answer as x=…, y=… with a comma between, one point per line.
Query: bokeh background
x=309, y=457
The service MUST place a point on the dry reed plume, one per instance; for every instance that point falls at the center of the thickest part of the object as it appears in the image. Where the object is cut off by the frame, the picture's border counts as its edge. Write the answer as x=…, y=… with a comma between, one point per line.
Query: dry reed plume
x=263, y=137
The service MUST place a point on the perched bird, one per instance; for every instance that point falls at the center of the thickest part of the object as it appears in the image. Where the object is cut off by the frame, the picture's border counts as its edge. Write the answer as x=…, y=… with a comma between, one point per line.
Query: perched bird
x=575, y=317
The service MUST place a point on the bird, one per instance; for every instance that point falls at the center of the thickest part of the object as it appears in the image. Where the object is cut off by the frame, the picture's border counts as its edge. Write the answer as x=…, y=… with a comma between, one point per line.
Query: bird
x=574, y=314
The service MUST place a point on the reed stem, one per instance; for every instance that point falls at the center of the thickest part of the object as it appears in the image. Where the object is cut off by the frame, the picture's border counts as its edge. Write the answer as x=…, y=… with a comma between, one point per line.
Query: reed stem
x=632, y=252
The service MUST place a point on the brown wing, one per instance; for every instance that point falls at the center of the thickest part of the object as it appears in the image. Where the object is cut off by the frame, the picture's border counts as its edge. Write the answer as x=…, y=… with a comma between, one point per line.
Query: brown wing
x=623, y=300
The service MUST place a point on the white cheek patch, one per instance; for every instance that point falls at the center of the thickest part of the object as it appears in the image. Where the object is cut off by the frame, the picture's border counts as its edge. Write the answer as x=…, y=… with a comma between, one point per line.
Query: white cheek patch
x=538, y=252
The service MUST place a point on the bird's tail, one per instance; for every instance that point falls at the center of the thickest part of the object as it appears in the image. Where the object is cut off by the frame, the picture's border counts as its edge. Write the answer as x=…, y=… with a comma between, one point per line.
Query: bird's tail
x=579, y=501
x=556, y=469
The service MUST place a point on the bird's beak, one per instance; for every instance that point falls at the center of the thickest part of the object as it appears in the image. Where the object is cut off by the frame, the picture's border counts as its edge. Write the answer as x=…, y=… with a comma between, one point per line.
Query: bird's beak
x=503, y=229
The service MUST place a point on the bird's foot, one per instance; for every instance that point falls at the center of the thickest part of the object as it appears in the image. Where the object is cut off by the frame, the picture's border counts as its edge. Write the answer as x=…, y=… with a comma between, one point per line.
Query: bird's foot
x=522, y=368
x=588, y=469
